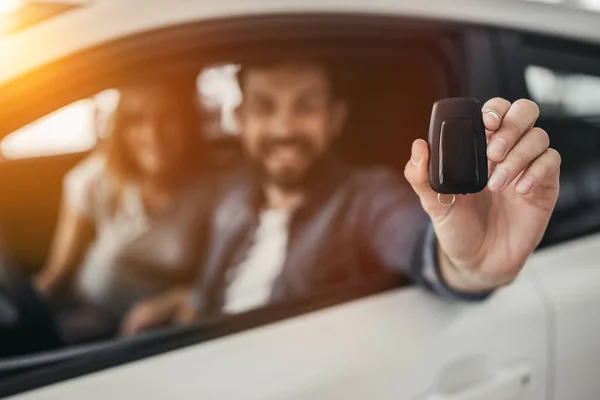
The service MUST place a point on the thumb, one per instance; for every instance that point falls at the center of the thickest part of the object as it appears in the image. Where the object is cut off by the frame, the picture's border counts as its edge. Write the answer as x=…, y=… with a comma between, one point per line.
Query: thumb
x=416, y=173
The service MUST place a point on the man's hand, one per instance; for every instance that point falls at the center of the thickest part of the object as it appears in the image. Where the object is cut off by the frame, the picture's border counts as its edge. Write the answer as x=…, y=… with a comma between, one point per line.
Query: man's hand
x=43, y=283
x=484, y=239
x=156, y=311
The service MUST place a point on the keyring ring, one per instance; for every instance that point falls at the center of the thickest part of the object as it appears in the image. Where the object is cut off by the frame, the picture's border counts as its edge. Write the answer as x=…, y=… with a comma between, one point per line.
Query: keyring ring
x=446, y=204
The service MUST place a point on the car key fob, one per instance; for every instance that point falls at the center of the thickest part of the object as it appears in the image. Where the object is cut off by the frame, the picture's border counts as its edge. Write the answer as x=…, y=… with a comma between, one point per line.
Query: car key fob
x=457, y=147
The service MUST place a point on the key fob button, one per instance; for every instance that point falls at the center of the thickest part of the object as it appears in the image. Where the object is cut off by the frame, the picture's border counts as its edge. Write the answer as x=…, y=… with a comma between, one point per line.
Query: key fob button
x=458, y=161
x=457, y=145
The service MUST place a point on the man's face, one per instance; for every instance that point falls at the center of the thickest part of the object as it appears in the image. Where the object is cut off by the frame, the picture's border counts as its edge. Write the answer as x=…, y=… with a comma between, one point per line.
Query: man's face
x=288, y=119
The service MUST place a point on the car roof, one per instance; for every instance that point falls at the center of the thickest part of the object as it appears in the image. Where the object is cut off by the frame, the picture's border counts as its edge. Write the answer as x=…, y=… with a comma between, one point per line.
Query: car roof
x=94, y=22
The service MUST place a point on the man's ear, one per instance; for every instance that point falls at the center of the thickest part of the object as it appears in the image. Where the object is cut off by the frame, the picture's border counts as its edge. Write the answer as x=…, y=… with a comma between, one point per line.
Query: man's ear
x=339, y=116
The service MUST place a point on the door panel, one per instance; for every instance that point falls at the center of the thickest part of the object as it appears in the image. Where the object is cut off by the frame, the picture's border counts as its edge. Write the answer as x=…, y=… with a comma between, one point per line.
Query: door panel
x=570, y=278
x=29, y=205
x=405, y=344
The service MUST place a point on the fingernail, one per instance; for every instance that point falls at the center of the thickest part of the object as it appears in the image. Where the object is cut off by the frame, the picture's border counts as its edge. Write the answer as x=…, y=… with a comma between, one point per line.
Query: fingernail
x=498, y=179
x=493, y=114
x=497, y=147
x=524, y=185
x=414, y=157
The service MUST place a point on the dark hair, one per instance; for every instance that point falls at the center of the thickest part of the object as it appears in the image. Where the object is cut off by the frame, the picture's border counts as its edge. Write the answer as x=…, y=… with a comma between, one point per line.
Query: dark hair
x=328, y=68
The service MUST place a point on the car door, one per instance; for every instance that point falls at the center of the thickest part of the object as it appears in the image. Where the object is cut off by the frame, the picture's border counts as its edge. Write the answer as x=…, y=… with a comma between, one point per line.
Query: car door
x=400, y=343
x=563, y=77
x=403, y=344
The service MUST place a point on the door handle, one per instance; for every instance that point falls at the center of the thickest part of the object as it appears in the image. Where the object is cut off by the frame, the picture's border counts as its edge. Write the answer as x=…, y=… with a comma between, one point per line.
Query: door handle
x=507, y=384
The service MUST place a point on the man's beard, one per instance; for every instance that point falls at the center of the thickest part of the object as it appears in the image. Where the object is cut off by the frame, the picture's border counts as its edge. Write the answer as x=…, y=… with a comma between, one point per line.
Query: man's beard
x=287, y=179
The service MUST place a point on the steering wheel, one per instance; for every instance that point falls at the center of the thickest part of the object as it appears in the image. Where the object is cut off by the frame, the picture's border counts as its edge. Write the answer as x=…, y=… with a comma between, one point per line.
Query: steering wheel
x=26, y=320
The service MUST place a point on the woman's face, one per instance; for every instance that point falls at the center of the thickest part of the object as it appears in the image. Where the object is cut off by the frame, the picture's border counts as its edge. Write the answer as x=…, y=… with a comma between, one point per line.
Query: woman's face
x=154, y=130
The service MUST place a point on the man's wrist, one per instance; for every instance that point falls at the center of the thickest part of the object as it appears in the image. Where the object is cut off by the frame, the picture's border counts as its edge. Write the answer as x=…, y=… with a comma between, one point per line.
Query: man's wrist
x=463, y=279
x=430, y=274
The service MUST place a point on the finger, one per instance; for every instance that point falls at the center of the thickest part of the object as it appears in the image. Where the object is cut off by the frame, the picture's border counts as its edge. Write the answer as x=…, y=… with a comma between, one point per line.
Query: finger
x=129, y=328
x=493, y=111
x=186, y=314
x=132, y=322
x=546, y=165
x=533, y=144
x=518, y=120
x=417, y=174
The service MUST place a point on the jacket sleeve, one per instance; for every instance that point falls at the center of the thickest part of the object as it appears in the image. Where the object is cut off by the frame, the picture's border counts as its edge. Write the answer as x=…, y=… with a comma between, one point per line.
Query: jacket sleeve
x=401, y=236
x=431, y=277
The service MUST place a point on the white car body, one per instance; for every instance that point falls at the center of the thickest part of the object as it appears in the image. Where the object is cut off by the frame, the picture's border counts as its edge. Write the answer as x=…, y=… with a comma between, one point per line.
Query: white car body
x=538, y=338
x=88, y=26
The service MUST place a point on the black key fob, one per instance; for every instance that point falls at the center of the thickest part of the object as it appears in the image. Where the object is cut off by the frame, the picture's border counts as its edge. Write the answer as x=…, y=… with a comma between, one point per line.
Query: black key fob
x=457, y=147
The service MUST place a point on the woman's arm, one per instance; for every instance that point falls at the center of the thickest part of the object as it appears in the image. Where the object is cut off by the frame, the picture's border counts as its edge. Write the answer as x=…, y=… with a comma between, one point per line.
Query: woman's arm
x=73, y=235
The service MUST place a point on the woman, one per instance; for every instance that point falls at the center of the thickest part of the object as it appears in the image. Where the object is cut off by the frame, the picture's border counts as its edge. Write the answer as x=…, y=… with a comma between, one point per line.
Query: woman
x=131, y=218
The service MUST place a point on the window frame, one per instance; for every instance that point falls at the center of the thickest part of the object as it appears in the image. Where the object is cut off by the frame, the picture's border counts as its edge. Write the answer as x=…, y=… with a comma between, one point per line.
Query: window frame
x=518, y=50
x=38, y=93
x=560, y=55
x=123, y=60
x=555, y=53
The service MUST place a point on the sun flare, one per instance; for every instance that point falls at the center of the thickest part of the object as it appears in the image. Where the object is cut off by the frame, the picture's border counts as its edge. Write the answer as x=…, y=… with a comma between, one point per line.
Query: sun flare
x=8, y=6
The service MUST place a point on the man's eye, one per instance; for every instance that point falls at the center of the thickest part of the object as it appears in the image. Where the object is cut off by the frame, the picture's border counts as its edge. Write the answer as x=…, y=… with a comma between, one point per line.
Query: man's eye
x=307, y=107
x=260, y=107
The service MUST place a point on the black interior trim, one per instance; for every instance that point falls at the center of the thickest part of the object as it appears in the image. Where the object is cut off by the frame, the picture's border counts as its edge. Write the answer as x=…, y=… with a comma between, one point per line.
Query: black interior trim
x=570, y=54
x=564, y=62
x=511, y=57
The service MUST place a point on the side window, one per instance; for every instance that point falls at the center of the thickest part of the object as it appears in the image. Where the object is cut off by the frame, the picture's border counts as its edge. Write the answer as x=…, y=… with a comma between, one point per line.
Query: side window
x=72, y=129
x=123, y=259
x=566, y=86
x=564, y=93
x=219, y=95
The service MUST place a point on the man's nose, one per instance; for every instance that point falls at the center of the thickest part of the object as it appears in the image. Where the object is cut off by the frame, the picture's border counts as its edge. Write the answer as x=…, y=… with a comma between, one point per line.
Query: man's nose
x=283, y=124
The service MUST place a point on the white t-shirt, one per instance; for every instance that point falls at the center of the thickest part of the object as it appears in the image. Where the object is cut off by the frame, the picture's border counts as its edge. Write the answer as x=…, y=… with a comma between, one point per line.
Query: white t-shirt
x=252, y=281
x=135, y=255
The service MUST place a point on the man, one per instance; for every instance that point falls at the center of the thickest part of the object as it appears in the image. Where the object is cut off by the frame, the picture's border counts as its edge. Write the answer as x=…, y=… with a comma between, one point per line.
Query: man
x=299, y=222
x=302, y=220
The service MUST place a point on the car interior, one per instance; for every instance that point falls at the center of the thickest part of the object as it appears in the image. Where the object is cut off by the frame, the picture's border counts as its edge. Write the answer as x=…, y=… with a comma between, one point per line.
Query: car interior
x=389, y=99
x=389, y=87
